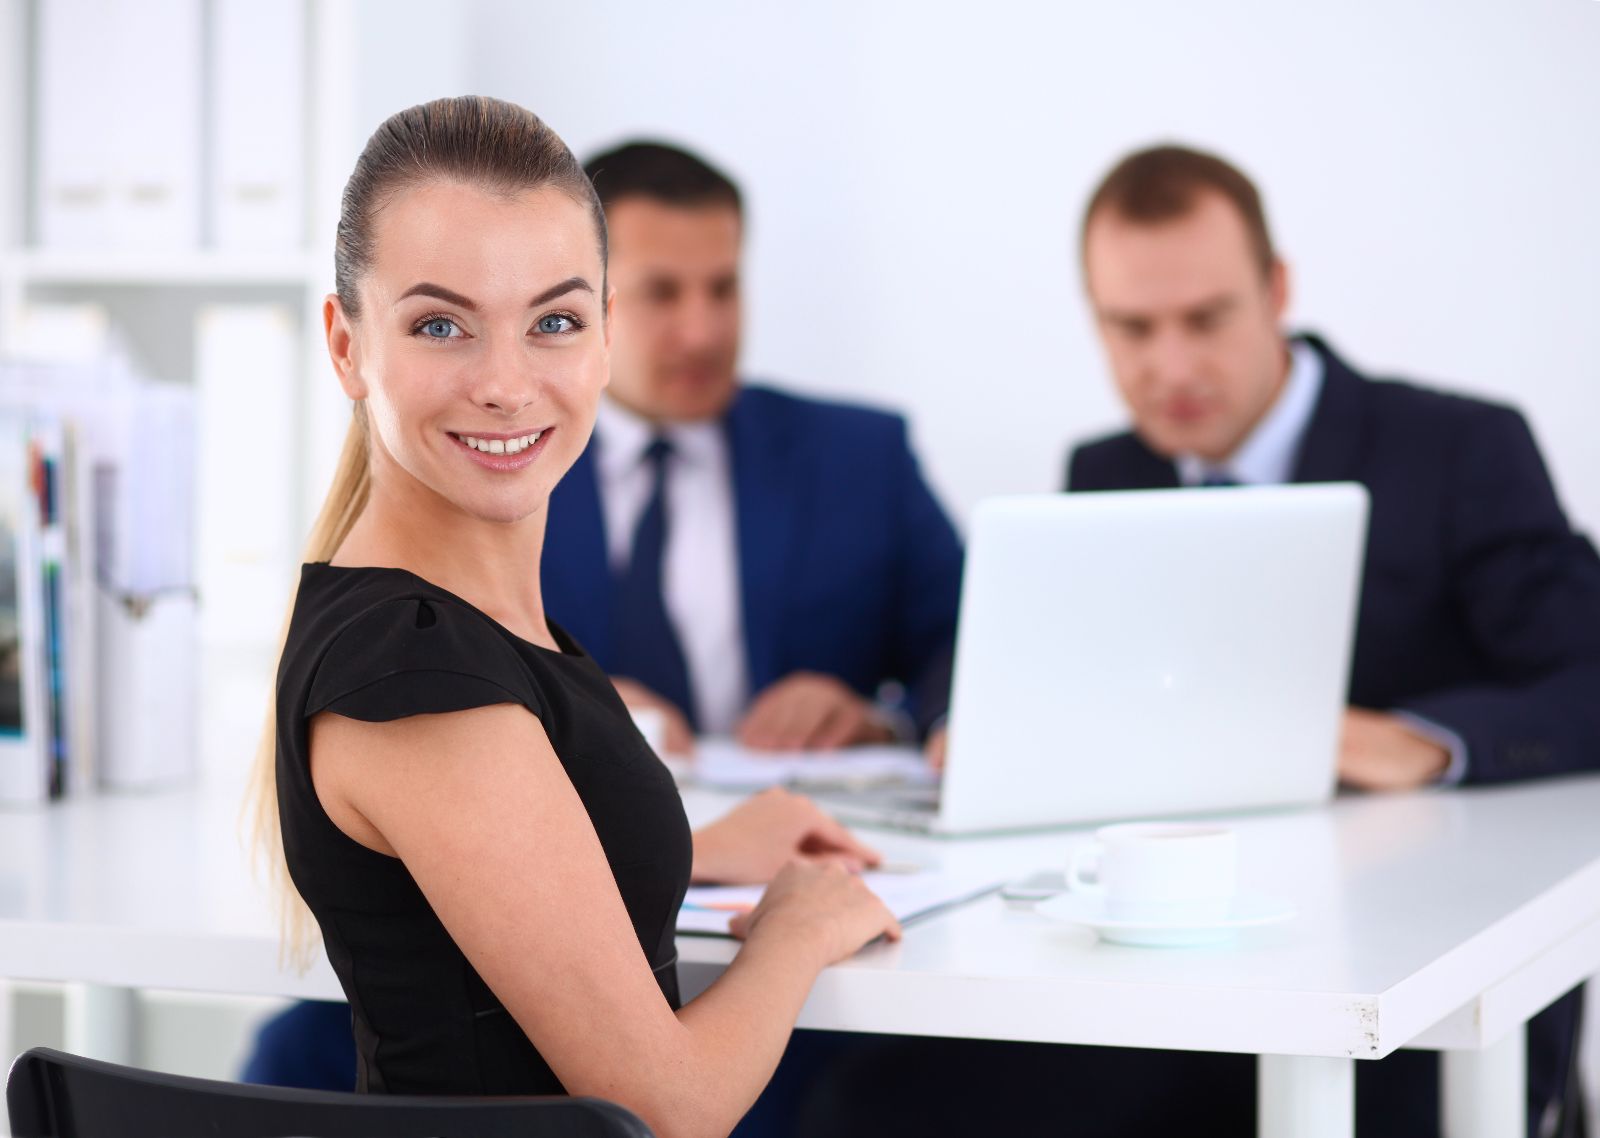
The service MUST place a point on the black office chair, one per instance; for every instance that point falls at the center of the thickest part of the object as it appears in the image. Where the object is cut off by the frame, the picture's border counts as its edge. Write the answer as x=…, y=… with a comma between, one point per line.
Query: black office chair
x=50, y=1094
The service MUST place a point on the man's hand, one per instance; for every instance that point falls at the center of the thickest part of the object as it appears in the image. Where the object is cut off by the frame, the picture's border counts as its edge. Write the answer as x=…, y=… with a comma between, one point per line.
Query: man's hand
x=933, y=750
x=762, y=834
x=1378, y=751
x=676, y=738
x=807, y=711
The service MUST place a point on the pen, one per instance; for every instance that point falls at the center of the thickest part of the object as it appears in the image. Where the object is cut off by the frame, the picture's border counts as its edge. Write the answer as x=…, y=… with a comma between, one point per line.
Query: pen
x=718, y=906
x=897, y=867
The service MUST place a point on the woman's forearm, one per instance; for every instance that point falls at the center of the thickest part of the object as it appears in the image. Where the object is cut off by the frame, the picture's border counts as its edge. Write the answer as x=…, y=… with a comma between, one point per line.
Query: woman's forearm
x=733, y=1035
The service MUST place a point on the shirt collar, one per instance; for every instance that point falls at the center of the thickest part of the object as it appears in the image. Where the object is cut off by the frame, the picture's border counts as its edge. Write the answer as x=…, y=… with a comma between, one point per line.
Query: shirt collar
x=1266, y=457
x=624, y=435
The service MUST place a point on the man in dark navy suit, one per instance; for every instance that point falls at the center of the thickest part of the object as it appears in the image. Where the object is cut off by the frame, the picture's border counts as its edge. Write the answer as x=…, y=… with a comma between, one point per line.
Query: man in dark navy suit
x=1477, y=653
x=1477, y=656
x=746, y=562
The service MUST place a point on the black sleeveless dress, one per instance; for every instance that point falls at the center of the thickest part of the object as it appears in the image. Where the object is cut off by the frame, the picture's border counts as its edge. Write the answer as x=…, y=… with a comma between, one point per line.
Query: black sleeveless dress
x=382, y=644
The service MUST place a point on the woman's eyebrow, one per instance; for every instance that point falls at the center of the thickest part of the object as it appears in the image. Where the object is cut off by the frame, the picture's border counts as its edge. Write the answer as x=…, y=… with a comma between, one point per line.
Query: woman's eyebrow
x=439, y=292
x=450, y=296
x=569, y=285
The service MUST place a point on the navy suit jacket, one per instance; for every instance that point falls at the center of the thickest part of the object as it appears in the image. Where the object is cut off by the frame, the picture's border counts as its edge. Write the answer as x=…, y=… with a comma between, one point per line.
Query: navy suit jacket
x=1480, y=610
x=1480, y=607
x=847, y=564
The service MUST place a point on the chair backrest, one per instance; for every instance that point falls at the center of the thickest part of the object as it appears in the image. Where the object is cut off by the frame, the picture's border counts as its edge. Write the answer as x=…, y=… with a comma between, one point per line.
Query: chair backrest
x=50, y=1094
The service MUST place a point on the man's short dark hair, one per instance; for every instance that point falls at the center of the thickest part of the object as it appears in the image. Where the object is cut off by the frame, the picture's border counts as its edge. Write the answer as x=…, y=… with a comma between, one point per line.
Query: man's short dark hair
x=662, y=173
x=1165, y=183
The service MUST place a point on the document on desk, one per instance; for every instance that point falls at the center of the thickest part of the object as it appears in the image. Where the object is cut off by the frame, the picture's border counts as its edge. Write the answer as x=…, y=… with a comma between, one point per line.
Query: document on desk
x=707, y=909
x=725, y=765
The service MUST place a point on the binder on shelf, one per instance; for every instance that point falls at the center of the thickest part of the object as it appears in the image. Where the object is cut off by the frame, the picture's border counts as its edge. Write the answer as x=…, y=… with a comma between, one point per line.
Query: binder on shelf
x=144, y=607
x=14, y=100
x=246, y=362
x=154, y=99
x=146, y=687
x=257, y=178
x=73, y=125
x=144, y=489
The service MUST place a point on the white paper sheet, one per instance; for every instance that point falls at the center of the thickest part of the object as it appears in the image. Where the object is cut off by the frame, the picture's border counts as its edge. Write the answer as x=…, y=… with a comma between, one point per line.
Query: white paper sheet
x=725, y=765
x=707, y=909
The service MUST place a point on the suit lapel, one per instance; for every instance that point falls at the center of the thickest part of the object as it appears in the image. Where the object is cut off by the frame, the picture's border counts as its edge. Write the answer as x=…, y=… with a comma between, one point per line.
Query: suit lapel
x=765, y=500
x=577, y=578
x=1335, y=437
x=1147, y=470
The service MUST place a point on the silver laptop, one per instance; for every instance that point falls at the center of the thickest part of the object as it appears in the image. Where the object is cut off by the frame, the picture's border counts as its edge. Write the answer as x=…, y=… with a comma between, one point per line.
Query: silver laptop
x=1144, y=653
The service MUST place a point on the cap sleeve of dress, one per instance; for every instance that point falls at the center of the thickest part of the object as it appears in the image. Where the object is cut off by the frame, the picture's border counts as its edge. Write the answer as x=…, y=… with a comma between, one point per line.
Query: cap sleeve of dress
x=419, y=656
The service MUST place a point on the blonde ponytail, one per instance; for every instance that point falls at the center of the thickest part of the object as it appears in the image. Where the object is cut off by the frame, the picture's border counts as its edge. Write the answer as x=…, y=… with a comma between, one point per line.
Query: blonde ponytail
x=347, y=497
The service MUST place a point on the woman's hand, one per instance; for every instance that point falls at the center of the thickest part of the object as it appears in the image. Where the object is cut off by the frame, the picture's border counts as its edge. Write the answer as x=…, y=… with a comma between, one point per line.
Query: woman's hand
x=758, y=837
x=821, y=905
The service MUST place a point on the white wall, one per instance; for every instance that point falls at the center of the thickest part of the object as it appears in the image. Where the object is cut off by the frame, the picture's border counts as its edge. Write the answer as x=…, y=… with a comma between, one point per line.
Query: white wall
x=915, y=172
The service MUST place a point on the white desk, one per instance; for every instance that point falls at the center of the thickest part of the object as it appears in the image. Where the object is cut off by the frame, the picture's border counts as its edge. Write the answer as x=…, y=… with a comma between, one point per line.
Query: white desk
x=1440, y=920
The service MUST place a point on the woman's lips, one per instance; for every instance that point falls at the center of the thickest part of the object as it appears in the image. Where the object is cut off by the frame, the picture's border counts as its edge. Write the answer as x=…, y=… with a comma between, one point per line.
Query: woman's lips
x=502, y=451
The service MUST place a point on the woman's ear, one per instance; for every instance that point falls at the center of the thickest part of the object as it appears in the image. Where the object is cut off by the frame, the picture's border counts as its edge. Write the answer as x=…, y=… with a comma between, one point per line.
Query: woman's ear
x=340, y=331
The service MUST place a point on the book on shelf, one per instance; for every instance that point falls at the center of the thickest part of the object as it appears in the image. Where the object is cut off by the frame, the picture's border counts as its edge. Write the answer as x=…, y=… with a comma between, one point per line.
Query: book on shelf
x=43, y=734
x=97, y=606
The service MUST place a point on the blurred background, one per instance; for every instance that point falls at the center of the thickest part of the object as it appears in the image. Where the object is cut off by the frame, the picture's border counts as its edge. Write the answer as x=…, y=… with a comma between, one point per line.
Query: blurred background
x=913, y=172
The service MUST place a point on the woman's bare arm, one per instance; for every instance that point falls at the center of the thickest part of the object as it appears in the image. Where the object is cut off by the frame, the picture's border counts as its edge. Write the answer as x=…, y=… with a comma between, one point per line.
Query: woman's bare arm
x=480, y=810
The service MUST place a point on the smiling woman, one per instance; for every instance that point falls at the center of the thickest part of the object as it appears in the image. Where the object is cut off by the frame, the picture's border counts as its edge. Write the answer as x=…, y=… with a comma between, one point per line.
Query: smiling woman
x=493, y=855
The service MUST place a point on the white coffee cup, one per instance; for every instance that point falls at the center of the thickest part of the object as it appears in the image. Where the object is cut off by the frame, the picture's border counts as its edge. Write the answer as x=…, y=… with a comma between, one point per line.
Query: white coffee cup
x=1168, y=872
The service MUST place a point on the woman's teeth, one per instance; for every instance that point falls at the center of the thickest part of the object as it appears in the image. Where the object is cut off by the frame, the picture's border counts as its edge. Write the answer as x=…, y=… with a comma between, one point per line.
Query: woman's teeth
x=501, y=446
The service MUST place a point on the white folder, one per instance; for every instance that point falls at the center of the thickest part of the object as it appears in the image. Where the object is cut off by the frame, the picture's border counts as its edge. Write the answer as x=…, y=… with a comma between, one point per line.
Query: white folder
x=146, y=689
x=245, y=364
x=257, y=128
x=154, y=103
x=74, y=128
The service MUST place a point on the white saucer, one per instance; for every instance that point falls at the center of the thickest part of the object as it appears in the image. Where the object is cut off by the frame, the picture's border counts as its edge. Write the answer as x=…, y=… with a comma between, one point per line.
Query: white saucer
x=1248, y=911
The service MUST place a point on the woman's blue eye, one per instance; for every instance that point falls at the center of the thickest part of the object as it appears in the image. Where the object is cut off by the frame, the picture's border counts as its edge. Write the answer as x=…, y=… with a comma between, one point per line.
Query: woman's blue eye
x=555, y=323
x=438, y=328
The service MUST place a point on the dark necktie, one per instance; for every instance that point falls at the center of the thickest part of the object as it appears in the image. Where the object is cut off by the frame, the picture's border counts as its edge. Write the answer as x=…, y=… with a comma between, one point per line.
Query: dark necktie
x=1218, y=478
x=646, y=644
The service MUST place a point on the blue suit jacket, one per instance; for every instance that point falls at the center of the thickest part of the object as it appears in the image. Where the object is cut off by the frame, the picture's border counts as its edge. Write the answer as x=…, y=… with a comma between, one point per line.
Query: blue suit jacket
x=1480, y=607
x=847, y=564
x=1480, y=610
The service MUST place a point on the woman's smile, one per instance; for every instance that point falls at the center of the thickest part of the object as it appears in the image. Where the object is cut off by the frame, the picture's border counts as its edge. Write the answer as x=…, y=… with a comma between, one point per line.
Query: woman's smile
x=501, y=450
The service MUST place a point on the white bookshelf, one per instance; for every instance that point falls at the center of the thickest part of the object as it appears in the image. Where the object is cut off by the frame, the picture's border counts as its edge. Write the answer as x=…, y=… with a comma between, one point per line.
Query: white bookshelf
x=153, y=296
x=31, y=267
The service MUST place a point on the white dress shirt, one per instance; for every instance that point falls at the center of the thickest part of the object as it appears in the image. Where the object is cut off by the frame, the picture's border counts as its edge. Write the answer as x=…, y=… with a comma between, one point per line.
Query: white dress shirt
x=700, y=561
x=1266, y=458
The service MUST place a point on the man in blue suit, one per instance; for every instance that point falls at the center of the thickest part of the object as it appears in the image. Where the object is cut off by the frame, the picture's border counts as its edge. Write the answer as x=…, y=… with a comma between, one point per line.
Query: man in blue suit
x=742, y=560
x=1477, y=652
